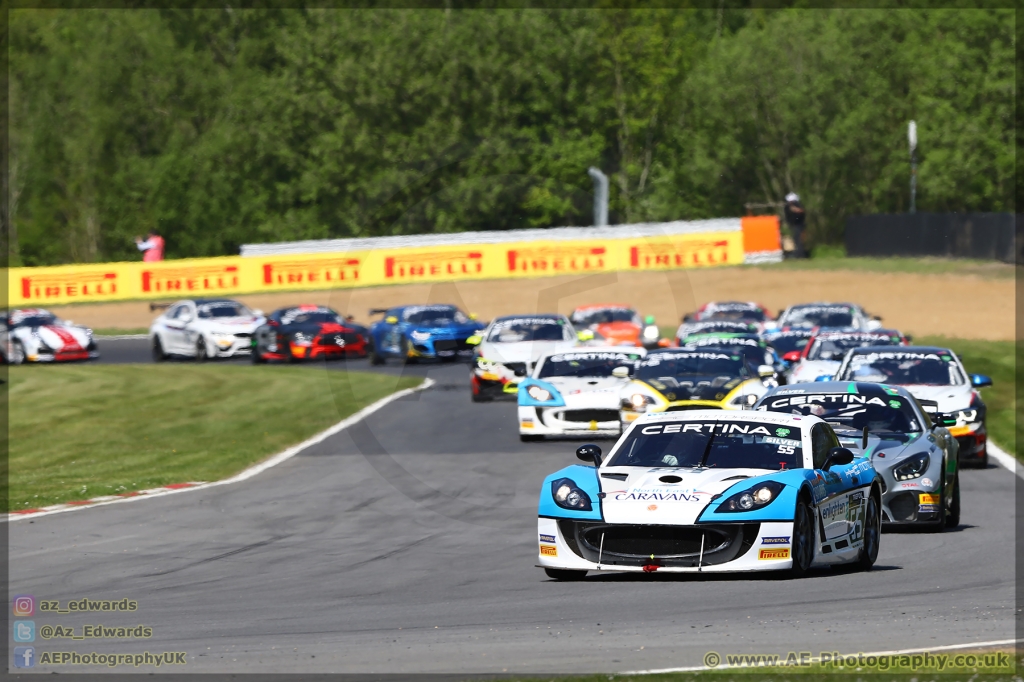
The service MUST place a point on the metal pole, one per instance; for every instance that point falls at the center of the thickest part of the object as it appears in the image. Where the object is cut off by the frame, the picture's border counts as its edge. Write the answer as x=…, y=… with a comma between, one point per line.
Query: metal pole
x=912, y=139
x=600, y=196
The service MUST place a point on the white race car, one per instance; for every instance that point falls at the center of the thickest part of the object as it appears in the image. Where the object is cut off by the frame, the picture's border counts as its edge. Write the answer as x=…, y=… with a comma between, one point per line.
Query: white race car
x=204, y=329
x=507, y=349
x=37, y=335
x=576, y=392
x=937, y=378
x=825, y=350
x=825, y=315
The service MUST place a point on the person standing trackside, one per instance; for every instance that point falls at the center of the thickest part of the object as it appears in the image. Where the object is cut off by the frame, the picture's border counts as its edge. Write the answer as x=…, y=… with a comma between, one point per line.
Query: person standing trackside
x=152, y=249
x=795, y=219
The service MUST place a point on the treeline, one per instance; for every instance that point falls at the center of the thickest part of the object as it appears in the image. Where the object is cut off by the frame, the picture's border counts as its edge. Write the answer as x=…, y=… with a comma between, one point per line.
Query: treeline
x=223, y=127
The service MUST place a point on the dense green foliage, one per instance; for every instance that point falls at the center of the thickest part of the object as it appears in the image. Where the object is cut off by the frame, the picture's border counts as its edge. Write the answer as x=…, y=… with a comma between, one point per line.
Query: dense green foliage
x=222, y=127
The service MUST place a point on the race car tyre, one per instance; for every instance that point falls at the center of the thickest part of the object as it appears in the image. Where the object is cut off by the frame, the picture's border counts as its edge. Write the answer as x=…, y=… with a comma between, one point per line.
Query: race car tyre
x=202, y=352
x=257, y=357
x=872, y=533
x=17, y=353
x=375, y=357
x=564, y=574
x=530, y=437
x=803, y=538
x=953, y=517
x=403, y=348
x=480, y=397
x=158, y=350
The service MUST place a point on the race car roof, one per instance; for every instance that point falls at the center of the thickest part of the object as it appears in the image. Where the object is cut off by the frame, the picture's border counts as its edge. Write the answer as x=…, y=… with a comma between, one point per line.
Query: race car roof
x=932, y=350
x=818, y=387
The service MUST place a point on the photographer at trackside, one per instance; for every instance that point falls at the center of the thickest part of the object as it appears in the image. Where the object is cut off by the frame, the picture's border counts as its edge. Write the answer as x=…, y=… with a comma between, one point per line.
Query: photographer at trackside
x=795, y=217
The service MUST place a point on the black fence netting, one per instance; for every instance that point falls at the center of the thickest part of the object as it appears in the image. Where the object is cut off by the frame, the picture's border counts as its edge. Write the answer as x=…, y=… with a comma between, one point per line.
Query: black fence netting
x=988, y=236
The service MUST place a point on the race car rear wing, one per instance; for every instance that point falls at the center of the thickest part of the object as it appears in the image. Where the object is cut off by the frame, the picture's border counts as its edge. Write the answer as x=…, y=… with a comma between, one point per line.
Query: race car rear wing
x=153, y=307
x=378, y=311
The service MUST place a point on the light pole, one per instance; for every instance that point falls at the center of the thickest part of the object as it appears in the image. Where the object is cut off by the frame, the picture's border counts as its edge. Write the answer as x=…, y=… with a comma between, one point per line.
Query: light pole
x=600, y=196
x=912, y=138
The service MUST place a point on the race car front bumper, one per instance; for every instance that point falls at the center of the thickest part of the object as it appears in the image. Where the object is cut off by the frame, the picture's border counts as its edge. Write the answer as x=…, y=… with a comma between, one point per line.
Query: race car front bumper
x=63, y=356
x=570, y=420
x=595, y=546
x=973, y=442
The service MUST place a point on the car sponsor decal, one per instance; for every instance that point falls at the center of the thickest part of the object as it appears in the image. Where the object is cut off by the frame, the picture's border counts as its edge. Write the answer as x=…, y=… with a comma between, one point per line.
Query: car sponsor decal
x=926, y=482
x=827, y=399
x=547, y=538
x=549, y=550
x=577, y=357
x=926, y=498
x=660, y=494
x=781, y=553
x=778, y=540
x=720, y=428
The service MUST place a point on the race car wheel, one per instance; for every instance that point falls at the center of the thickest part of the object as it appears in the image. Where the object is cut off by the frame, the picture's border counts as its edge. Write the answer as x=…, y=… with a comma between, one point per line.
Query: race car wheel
x=530, y=437
x=17, y=353
x=953, y=517
x=565, y=574
x=404, y=350
x=202, y=352
x=257, y=357
x=375, y=357
x=872, y=533
x=158, y=350
x=803, y=538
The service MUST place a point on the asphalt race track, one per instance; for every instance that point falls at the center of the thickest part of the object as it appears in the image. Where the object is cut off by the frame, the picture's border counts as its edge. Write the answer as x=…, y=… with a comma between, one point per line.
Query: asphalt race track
x=408, y=542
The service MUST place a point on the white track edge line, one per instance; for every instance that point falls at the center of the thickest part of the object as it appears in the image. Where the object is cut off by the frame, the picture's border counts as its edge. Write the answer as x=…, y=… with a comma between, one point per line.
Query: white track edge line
x=1006, y=459
x=817, y=659
x=256, y=468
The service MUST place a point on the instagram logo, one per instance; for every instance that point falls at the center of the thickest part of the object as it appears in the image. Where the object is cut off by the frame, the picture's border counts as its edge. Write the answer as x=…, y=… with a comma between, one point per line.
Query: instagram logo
x=24, y=605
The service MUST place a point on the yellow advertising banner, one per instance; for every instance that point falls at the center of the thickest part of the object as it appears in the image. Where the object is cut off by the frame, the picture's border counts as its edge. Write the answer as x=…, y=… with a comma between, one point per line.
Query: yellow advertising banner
x=206, y=277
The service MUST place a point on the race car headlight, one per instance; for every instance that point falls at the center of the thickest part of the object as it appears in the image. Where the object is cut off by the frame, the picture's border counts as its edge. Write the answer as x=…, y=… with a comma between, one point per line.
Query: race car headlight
x=638, y=401
x=752, y=498
x=569, y=496
x=223, y=339
x=541, y=395
x=485, y=365
x=913, y=467
x=745, y=401
x=420, y=336
x=968, y=416
x=651, y=333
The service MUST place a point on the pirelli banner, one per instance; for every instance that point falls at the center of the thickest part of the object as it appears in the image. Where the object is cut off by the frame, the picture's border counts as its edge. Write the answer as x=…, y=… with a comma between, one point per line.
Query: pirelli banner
x=336, y=264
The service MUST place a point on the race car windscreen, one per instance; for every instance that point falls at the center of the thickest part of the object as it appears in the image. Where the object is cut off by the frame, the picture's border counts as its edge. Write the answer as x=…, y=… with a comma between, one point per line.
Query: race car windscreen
x=218, y=309
x=668, y=368
x=834, y=346
x=435, y=316
x=722, y=445
x=520, y=329
x=903, y=368
x=891, y=414
x=820, y=316
x=585, y=364
x=301, y=316
x=586, y=318
x=737, y=313
x=787, y=342
x=34, y=318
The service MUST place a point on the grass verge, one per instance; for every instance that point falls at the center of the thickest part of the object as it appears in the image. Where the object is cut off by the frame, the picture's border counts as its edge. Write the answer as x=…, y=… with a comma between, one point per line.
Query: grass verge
x=114, y=331
x=920, y=266
x=82, y=431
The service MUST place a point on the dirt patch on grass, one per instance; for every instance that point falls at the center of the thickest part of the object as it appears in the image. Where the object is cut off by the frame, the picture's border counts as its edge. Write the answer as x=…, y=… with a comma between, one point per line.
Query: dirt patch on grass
x=964, y=306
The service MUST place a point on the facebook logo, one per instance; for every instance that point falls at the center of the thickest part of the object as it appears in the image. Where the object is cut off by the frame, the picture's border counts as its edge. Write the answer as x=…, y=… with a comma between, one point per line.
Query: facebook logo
x=24, y=631
x=24, y=657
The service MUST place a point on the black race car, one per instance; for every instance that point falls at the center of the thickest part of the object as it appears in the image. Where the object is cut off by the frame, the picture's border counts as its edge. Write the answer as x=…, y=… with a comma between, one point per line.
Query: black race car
x=307, y=332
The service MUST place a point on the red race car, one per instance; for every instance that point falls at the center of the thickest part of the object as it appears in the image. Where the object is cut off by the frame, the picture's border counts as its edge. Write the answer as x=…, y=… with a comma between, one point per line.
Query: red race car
x=307, y=332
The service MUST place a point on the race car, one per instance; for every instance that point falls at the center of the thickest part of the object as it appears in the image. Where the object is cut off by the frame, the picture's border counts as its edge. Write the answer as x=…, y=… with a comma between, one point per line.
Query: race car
x=825, y=350
x=825, y=315
x=914, y=454
x=37, y=335
x=616, y=324
x=731, y=311
x=306, y=332
x=575, y=392
x=937, y=378
x=204, y=328
x=786, y=340
x=676, y=379
x=507, y=349
x=413, y=332
x=711, y=491
x=757, y=354
x=688, y=329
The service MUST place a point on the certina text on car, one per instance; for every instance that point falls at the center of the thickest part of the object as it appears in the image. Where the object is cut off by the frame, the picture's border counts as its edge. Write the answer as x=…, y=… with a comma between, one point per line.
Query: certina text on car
x=575, y=392
x=914, y=454
x=203, y=329
x=825, y=315
x=711, y=491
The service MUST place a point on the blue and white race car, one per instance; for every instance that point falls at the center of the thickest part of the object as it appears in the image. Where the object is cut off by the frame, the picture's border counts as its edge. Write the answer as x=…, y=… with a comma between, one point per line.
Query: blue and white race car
x=411, y=332
x=709, y=490
x=576, y=392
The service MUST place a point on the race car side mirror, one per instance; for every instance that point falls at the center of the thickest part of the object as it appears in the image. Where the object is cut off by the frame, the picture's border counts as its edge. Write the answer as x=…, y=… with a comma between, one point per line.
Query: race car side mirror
x=792, y=356
x=474, y=340
x=621, y=372
x=589, y=453
x=980, y=381
x=838, y=456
